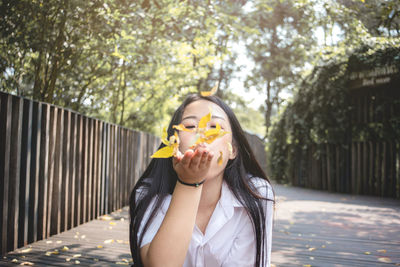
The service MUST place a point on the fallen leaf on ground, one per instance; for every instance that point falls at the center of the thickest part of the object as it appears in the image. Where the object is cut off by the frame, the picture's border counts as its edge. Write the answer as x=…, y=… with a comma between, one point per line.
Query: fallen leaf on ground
x=311, y=249
x=112, y=223
x=105, y=218
x=385, y=259
x=108, y=241
x=54, y=252
x=27, y=263
x=65, y=248
x=381, y=250
x=367, y=253
x=26, y=250
x=99, y=246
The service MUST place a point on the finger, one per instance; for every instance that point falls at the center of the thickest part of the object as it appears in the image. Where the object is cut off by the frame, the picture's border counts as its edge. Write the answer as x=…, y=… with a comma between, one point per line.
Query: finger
x=187, y=157
x=209, y=158
x=196, y=158
x=175, y=161
x=204, y=157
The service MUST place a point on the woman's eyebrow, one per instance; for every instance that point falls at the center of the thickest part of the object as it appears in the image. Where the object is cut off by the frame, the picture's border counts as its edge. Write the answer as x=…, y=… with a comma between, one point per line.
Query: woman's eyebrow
x=195, y=117
x=217, y=117
x=189, y=117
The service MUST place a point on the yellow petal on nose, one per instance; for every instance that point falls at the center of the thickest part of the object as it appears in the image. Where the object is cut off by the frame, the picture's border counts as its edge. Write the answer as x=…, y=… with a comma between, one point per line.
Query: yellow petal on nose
x=204, y=120
x=220, y=158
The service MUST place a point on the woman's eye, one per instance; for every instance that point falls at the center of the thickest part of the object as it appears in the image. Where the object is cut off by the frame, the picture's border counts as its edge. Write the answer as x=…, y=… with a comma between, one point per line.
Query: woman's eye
x=190, y=127
x=213, y=126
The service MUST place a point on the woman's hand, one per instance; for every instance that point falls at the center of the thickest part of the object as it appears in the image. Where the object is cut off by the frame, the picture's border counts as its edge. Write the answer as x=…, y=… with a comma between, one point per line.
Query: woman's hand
x=192, y=167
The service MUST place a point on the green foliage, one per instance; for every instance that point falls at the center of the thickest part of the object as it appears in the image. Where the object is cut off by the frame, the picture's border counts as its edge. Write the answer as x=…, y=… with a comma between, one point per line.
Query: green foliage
x=131, y=62
x=321, y=112
x=122, y=61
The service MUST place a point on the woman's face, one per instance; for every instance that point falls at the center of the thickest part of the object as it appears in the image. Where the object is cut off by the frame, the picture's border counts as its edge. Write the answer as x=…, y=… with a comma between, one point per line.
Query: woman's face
x=190, y=119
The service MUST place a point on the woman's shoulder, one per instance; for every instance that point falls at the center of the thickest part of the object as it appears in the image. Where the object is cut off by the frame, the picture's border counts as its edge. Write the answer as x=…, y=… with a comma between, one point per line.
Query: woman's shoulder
x=263, y=187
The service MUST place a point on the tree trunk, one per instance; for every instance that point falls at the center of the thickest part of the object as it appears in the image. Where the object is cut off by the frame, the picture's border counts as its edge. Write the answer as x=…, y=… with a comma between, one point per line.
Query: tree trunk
x=37, y=86
x=268, y=110
x=56, y=60
x=123, y=76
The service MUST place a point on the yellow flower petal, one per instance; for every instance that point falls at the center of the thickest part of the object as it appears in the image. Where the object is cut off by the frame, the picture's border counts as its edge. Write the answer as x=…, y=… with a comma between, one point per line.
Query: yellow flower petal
x=220, y=158
x=176, y=140
x=164, y=152
x=164, y=137
x=214, y=131
x=181, y=127
x=204, y=120
x=230, y=149
x=211, y=92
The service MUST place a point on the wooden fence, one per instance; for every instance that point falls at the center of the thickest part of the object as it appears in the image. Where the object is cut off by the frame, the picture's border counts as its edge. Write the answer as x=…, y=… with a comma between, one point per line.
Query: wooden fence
x=258, y=147
x=59, y=169
x=367, y=161
x=371, y=168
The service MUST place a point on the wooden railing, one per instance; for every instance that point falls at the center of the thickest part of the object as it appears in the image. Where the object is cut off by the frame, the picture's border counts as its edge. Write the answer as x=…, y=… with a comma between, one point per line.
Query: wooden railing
x=59, y=169
x=371, y=168
x=258, y=147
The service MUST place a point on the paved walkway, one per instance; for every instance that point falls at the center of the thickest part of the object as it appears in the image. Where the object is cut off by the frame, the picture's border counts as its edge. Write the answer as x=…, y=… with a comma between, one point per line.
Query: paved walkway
x=312, y=228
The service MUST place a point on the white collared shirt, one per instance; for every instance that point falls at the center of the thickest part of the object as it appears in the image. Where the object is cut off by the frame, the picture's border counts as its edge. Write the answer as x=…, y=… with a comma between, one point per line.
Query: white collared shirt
x=229, y=239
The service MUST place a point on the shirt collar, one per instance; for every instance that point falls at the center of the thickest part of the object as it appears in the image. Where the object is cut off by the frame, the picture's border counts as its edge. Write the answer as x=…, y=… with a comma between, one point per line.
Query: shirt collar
x=228, y=199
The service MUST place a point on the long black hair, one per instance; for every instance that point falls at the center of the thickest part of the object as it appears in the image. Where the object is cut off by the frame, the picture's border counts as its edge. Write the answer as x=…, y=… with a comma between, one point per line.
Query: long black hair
x=159, y=179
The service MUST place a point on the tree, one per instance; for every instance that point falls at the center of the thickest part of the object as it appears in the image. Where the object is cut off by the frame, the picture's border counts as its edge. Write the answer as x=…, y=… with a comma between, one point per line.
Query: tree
x=278, y=47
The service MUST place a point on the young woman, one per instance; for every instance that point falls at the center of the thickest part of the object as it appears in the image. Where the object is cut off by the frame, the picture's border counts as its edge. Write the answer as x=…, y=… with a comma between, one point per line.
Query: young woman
x=196, y=210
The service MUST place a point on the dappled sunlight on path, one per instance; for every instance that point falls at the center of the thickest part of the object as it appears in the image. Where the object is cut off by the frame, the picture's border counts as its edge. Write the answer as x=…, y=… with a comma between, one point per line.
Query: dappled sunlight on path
x=315, y=228
x=101, y=242
x=311, y=228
